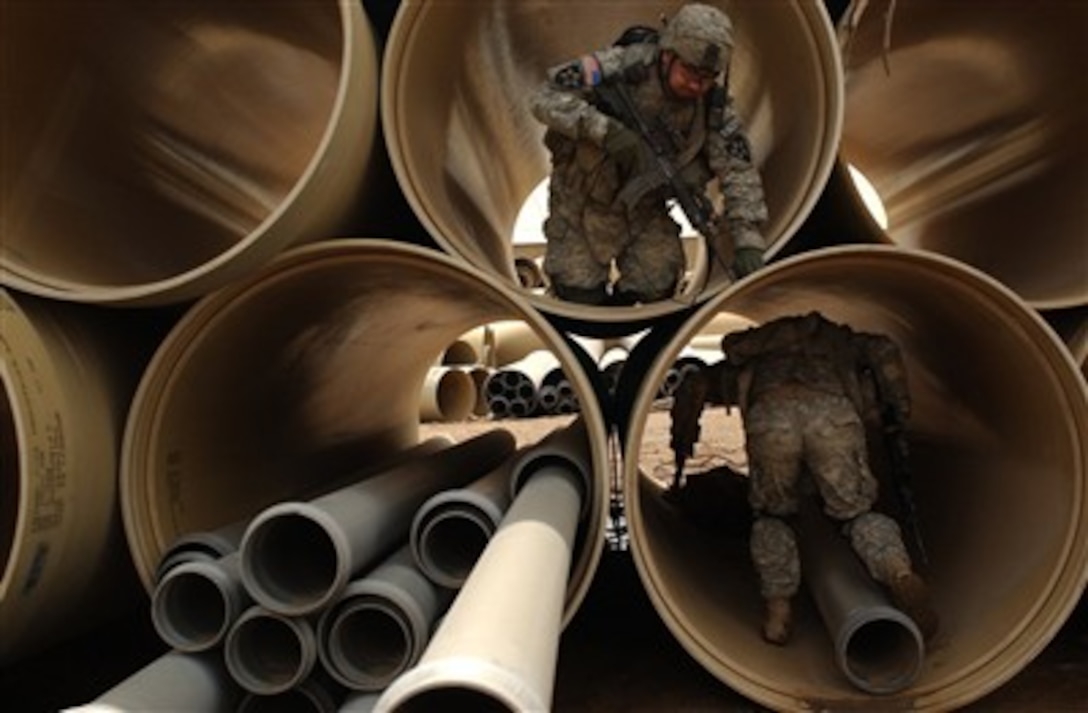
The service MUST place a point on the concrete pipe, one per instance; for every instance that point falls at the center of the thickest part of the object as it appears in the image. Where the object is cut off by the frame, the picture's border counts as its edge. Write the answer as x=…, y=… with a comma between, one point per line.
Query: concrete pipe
x=468, y=349
x=969, y=126
x=456, y=80
x=195, y=603
x=448, y=394
x=497, y=646
x=269, y=653
x=381, y=624
x=999, y=440
x=509, y=341
x=297, y=557
x=172, y=682
x=293, y=378
x=64, y=388
x=876, y=646
x=453, y=527
x=159, y=151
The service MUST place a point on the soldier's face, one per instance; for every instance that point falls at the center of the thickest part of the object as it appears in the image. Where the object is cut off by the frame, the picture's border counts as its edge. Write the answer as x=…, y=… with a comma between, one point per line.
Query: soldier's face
x=684, y=80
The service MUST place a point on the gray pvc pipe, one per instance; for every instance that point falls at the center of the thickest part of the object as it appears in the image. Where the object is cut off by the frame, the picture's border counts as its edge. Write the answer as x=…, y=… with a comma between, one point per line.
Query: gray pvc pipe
x=319, y=693
x=496, y=647
x=360, y=703
x=452, y=528
x=876, y=646
x=195, y=603
x=380, y=625
x=203, y=545
x=172, y=682
x=970, y=128
x=468, y=154
x=998, y=463
x=298, y=556
x=161, y=151
x=268, y=653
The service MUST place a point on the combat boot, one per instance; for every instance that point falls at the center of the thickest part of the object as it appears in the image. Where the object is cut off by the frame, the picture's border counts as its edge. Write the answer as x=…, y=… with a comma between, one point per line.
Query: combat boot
x=778, y=620
x=910, y=594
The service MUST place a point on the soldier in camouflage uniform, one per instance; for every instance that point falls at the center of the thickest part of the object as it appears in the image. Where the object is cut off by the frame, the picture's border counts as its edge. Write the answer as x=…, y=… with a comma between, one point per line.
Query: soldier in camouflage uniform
x=601, y=214
x=799, y=383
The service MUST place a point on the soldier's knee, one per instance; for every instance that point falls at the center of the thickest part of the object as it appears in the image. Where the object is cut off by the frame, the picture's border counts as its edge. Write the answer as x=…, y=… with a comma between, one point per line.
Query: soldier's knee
x=596, y=295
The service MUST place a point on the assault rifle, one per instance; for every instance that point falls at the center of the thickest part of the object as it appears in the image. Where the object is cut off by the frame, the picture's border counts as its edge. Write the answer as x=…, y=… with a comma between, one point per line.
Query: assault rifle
x=895, y=443
x=663, y=150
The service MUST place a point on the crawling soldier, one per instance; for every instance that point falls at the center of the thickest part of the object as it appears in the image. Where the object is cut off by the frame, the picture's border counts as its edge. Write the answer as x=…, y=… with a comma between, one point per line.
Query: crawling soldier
x=802, y=386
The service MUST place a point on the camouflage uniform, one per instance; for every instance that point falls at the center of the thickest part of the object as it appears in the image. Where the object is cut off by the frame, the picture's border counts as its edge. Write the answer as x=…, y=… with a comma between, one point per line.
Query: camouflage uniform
x=596, y=214
x=801, y=392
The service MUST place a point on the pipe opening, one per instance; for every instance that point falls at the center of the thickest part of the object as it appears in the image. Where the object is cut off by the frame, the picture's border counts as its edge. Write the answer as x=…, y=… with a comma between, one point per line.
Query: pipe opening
x=371, y=644
x=881, y=655
x=451, y=542
x=997, y=466
x=455, y=700
x=971, y=128
x=469, y=155
x=191, y=611
x=156, y=143
x=294, y=560
x=265, y=654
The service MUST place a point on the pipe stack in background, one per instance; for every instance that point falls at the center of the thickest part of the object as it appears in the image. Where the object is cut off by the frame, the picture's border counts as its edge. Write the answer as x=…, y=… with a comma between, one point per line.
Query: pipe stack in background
x=169, y=156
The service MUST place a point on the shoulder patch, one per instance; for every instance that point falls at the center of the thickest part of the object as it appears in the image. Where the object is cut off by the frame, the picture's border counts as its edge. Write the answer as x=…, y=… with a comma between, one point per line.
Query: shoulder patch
x=583, y=72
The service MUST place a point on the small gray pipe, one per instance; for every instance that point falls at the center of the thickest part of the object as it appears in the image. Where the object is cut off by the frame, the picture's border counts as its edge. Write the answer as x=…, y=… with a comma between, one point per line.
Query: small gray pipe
x=453, y=527
x=196, y=602
x=206, y=545
x=361, y=702
x=172, y=682
x=268, y=653
x=381, y=624
x=877, y=647
x=298, y=556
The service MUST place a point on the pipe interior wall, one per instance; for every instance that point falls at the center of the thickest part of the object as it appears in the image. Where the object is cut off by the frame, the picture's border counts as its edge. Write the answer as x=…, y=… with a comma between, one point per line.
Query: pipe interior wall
x=467, y=153
x=971, y=129
x=999, y=473
x=155, y=150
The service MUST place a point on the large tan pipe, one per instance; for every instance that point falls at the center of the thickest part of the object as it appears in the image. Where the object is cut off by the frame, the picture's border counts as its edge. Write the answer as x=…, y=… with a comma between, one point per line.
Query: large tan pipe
x=155, y=152
x=456, y=79
x=296, y=376
x=999, y=437
x=970, y=126
x=64, y=388
x=496, y=647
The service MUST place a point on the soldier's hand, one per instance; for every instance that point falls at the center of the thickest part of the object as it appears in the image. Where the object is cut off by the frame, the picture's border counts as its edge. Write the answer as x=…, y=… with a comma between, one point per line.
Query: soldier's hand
x=625, y=148
x=747, y=260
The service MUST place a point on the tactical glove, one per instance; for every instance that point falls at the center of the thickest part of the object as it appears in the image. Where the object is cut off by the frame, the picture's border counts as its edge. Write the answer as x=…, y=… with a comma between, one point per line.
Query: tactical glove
x=625, y=148
x=746, y=261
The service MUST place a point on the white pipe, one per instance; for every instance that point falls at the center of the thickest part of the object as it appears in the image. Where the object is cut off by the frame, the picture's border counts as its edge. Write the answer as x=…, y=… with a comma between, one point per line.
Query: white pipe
x=298, y=556
x=498, y=644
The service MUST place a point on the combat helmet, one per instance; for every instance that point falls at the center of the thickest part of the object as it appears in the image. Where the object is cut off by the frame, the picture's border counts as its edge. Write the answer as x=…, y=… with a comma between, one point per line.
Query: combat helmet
x=701, y=36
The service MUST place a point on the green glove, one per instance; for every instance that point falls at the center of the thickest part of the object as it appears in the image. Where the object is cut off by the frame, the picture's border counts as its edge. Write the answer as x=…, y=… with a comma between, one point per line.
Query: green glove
x=746, y=261
x=624, y=146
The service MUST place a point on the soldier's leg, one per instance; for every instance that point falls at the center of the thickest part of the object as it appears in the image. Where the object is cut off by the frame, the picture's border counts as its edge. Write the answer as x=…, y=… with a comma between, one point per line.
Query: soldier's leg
x=774, y=554
x=773, y=443
x=653, y=262
x=878, y=541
